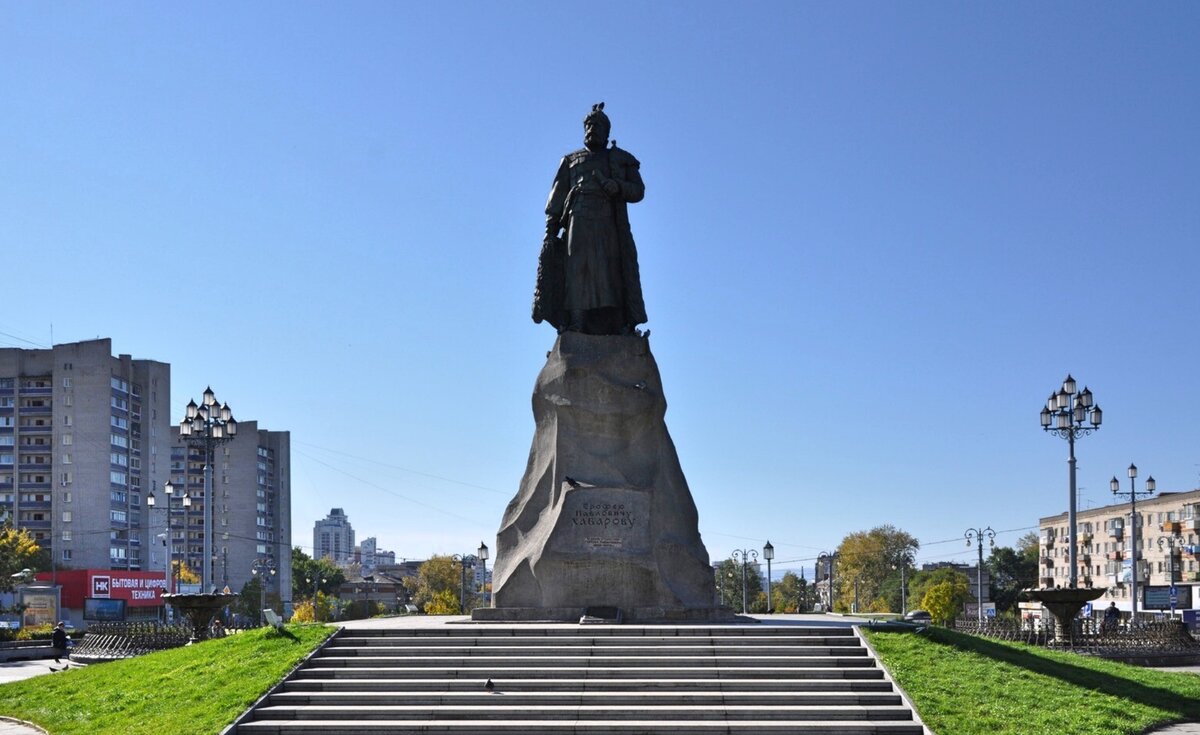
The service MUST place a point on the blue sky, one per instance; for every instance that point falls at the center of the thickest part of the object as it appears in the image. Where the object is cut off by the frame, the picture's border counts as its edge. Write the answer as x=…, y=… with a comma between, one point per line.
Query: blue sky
x=876, y=236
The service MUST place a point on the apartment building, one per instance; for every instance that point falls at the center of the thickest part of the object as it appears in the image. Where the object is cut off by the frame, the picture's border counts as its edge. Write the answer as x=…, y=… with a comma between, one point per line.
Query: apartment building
x=251, y=483
x=333, y=538
x=1167, y=533
x=83, y=436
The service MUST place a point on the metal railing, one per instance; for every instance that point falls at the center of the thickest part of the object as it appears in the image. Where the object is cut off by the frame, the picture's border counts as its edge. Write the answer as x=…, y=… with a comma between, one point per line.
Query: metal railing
x=1090, y=635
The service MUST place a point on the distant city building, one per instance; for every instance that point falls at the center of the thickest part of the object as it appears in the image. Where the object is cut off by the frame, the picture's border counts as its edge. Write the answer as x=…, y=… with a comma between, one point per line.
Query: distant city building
x=333, y=538
x=370, y=556
x=1168, y=526
x=83, y=436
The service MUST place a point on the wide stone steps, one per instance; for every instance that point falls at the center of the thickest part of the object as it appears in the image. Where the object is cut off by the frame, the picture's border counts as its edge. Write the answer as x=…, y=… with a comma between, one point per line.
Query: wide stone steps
x=587, y=679
x=575, y=698
x=728, y=686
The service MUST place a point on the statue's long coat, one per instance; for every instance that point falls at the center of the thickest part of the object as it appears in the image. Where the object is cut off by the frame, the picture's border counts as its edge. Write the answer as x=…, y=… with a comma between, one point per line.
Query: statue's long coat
x=550, y=294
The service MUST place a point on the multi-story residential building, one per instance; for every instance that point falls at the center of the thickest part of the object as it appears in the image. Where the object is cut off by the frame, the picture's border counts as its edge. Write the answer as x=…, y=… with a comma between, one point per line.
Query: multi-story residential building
x=83, y=436
x=1167, y=531
x=370, y=556
x=333, y=538
x=251, y=479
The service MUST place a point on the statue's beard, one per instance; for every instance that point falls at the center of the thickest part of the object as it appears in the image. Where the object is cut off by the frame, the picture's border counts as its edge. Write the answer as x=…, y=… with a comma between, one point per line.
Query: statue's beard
x=595, y=141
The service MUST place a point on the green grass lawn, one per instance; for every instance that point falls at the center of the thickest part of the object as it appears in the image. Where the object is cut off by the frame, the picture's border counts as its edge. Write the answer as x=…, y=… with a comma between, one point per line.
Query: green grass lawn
x=196, y=690
x=963, y=684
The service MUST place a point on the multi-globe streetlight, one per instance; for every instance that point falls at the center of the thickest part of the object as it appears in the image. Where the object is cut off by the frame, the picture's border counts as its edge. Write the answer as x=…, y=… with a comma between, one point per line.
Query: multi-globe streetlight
x=264, y=568
x=977, y=535
x=1134, y=532
x=1063, y=416
x=206, y=426
x=744, y=555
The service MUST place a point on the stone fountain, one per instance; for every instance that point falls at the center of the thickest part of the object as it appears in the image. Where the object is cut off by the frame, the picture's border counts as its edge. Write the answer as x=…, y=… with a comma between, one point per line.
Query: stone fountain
x=1064, y=604
x=199, y=609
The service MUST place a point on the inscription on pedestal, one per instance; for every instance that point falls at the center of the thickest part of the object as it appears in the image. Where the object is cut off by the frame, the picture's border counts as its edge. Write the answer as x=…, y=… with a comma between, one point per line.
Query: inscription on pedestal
x=599, y=519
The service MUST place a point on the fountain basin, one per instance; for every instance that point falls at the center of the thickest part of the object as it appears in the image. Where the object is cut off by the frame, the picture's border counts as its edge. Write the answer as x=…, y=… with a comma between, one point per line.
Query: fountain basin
x=199, y=610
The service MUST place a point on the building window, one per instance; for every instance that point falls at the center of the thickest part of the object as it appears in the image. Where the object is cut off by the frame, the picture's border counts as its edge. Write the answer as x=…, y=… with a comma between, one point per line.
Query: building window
x=67, y=439
x=66, y=555
x=66, y=535
x=67, y=382
x=117, y=516
x=66, y=516
x=117, y=478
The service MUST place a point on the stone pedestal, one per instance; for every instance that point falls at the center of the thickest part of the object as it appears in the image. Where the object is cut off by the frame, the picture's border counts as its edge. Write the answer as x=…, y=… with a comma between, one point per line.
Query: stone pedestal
x=603, y=517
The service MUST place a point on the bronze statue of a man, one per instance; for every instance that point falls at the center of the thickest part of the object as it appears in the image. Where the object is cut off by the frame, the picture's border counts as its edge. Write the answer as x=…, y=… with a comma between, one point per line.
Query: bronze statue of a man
x=587, y=277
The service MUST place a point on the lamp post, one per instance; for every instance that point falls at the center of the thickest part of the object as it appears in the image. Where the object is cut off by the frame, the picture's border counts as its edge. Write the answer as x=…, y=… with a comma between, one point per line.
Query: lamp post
x=482, y=553
x=769, y=554
x=168, y=544
x=829, y=560
x=263, y=568
x=207, y=426
x=977, y=534
x=1134, y=534
x=462, y=584
x=1063, y=416
x=1168, y=544
x=316, y=581
x=905, y=561
x=745, y=555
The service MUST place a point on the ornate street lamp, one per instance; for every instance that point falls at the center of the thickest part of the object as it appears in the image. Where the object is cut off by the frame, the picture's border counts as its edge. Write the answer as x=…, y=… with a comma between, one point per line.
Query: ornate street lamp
x=1169, y=544
x=482, y=553
x=206, y=426
x=462, y=583
x=263, y=568
x=978, y=534
x=1134, y=532
x=745, y=555
x=1063, y=416
x=769, y=554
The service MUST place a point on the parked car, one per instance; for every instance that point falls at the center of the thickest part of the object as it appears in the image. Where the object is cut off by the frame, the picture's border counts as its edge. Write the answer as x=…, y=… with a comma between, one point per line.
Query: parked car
x=918, y=616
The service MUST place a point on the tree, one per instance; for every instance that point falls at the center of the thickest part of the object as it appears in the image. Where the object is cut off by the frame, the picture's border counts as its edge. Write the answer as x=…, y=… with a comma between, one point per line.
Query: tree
x=1013, y=570
x=184, y=573
x=18, y=551
x=308, y=612
x=923, y=581
x=440, y=575
x=327, y=576
x=729, y=583
x=870, y=558
x=790, y=593
x=945, y=600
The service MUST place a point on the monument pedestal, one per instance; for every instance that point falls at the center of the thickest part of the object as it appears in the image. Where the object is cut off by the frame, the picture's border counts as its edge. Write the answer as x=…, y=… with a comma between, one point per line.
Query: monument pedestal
x=603, y=517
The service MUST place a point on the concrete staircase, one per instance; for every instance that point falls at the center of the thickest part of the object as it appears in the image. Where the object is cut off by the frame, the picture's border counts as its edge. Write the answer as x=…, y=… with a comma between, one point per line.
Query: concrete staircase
x=624, y=679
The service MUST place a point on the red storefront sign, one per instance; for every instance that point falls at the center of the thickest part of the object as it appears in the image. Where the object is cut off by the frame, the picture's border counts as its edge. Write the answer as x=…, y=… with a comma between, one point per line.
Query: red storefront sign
x=138, y=589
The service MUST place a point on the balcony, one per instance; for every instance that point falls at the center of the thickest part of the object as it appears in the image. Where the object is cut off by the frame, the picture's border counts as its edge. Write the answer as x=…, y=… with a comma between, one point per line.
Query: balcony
x=1086, y=557
x=1047, y=581
x=1173, y=527
x=1116, y=555
x=1047, y=561
x=1085, y=538
x=1116, y=531
x=1048, y=542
